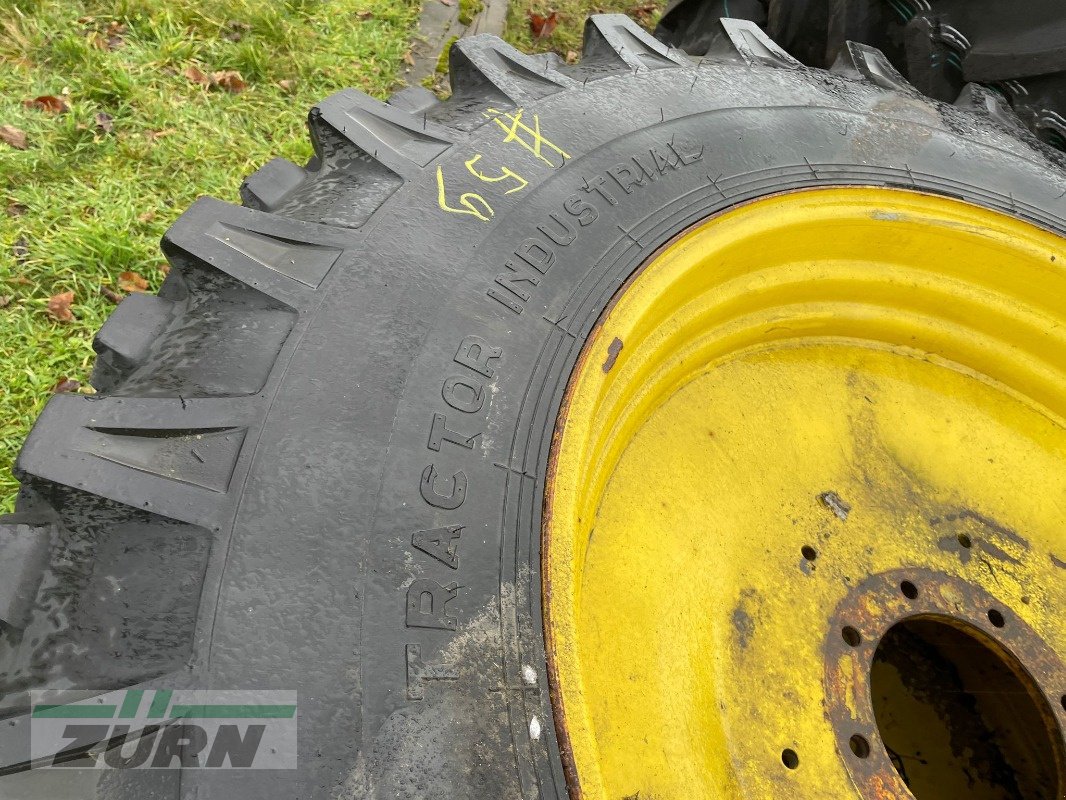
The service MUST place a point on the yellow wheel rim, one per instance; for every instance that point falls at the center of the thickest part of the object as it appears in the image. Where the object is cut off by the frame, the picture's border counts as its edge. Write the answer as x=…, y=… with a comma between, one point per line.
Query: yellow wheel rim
x=792, y=415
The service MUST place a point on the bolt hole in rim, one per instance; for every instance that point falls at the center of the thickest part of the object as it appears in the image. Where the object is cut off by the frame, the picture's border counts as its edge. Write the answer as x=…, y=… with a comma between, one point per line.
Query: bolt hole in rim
x=860, y=747
x=790, y=758
x=803, y=343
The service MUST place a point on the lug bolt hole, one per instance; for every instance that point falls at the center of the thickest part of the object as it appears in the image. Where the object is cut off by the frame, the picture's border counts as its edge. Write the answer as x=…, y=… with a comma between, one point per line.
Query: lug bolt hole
x=851, y=636
x=996, y=618
x=910, y=591
x=809, y=552
x=859, y=746
x=789, y=758
x=965, y=541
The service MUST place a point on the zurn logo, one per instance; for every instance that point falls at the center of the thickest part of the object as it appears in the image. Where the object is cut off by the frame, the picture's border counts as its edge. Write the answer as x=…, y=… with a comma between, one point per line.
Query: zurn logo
x=164, y=729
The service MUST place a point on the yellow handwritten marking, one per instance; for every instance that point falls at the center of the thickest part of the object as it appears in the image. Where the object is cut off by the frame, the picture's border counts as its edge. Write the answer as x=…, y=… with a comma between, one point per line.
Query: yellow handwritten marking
x=505, y=173
x=466, y=199
x=536, y=140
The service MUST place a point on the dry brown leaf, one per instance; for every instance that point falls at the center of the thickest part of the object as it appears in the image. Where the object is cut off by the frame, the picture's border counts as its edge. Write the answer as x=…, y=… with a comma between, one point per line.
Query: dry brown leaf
x=103, y=122
x=364, y=15
x=571, y=56
x=59, y=307
x=408, y=58
x=643, y=12
x=16, y=209
x=16, y=137
x=193, y=73
x=153, y=135
x=147, y=216
x=230, y=80
x=132, y=282
x=110, y=294
x=164, y=268
x=286, y=84
x=5, y=300
x=543, y=26
x=65, y=384
x=47, y=102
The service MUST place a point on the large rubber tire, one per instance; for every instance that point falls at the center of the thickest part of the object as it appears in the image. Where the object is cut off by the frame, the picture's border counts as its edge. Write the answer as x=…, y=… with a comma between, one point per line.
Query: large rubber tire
x=939, y=45
x=316, y=459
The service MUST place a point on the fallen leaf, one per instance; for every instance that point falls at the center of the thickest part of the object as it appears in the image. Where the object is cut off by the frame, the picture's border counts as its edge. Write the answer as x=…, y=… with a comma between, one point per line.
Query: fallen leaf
x=20, y=280
x=47, y=102
x=237, y=30
x=193, y=73
x=230, y=80
x=408, y=58
x=286, y=85
x=543, y=27
x=16, y=209
x=132, y=282
x=115, y=31
x=643, y=11
x=66, y=384
x=571, y=56
x=16, y=137
x=59, y=307
x=103, y=122
x=111, y=39
x=368, y=14
x=110, y=294
x=5, y=300
x=164, y=268
x=153, y=135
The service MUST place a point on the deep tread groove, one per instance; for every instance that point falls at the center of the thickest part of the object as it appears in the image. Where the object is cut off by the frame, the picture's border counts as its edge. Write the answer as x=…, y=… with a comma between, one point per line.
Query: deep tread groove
x=754, y=46
x=398, y=141
x=980, y=100
x=24, y=540
x=140, y=452
x=485, y=67
x=862, y=61
x=125, y=339
x=413, y=99
x=266, y=188
x=283, y=258
x=618, y=40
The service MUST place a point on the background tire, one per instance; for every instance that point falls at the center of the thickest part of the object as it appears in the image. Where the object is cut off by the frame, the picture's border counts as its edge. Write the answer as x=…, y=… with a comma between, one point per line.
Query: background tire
x=316, y=459
x=939, y=45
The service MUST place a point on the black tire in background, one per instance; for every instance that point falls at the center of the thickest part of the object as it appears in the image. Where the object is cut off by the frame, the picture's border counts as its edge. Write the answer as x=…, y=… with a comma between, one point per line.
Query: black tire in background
x=316, y=459
x=1017, y=49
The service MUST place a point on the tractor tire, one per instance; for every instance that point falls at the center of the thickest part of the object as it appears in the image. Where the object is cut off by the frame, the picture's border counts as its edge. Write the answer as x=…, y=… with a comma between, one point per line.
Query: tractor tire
x=318, y=459
x=940, y=46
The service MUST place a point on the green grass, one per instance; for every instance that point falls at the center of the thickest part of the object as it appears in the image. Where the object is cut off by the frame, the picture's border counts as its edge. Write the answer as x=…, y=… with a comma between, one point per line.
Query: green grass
x=83, y=205
x=566, y=39
x=94, y=204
